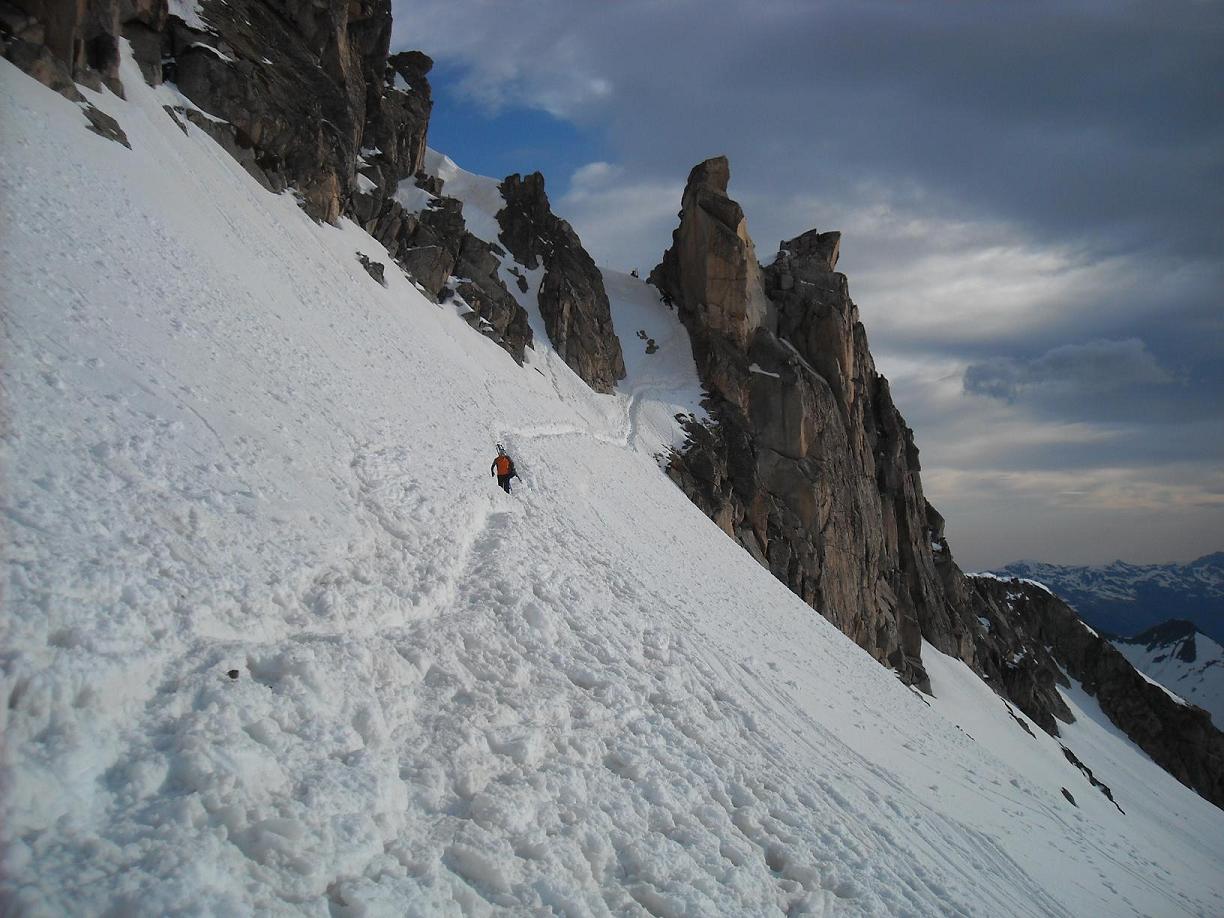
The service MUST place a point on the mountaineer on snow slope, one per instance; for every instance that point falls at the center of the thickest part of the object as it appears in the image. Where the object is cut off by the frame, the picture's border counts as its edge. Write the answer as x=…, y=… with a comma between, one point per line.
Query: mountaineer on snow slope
x=503, y=468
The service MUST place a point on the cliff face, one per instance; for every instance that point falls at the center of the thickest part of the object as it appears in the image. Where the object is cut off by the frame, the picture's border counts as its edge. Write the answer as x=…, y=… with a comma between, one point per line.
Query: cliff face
x=296, y=88
x=809, y=465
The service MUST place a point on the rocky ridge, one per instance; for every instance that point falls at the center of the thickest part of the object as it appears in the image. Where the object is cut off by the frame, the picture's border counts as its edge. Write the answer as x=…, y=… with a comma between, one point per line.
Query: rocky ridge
x=1182, y=659
x=809, y=465
x=1178, y=736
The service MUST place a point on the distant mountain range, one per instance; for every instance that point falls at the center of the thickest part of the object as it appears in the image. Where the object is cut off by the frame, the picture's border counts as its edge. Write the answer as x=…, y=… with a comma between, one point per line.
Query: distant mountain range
x=1183, y=660
x=1126, y=599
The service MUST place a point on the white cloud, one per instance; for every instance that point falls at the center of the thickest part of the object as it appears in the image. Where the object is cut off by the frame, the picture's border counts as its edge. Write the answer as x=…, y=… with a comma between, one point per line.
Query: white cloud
x=517, y=54
x=612, y=215
x=593, y=177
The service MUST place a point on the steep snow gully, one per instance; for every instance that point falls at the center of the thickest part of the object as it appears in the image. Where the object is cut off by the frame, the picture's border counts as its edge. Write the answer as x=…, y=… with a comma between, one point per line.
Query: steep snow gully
x=228, y=449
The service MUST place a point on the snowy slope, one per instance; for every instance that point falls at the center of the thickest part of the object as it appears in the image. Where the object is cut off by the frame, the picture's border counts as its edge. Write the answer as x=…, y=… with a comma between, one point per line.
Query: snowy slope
x=227, y=447
x=1182, y=659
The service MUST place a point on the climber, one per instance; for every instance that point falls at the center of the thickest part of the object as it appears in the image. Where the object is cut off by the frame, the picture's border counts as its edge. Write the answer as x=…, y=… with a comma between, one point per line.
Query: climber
x=503, y=468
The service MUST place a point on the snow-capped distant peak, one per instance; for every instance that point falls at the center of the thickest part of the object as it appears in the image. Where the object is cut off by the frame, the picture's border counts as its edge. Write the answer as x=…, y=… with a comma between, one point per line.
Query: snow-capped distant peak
x=1124, y=598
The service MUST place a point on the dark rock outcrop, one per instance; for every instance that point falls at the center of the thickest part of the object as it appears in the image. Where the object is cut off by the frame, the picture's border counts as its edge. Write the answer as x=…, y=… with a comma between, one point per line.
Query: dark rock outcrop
x=1175, y=638
x=1031, y=629
x=302, y=82
x=430, y=266
x=62, y=42
x=376, y=269
x=304, y=85
x=495, y=310
x=435, y=246
x=572, y=298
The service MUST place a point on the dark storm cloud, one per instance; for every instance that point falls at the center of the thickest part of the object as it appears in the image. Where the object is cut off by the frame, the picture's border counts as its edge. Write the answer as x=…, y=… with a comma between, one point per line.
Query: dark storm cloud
x=1032, y=197
x=1099, y=121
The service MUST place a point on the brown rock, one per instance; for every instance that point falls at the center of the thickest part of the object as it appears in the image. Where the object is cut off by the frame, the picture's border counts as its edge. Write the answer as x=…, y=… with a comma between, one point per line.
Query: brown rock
x=430, y=266
x=813, y=471
x=712, y=266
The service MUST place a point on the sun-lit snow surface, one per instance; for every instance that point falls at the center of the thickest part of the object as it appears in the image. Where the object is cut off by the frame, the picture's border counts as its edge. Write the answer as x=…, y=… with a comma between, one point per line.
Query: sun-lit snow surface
x=226, y=447
x=1199, y=681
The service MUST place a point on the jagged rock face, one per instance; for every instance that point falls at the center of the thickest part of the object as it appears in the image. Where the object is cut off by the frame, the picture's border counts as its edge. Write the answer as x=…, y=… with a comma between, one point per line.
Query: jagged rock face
x=495, y=310
x=712, y=258
x=435, y=245
x=61, y=41
x=430, y=266
x=64, y=42
x=572, y=298
x=303, y=85
x=1005, y=652
x=812, y=469
x=399, y=118
x=298, y=80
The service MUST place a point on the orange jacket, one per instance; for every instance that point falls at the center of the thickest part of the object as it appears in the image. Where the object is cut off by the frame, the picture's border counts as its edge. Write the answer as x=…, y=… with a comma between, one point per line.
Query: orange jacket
x=503, y=465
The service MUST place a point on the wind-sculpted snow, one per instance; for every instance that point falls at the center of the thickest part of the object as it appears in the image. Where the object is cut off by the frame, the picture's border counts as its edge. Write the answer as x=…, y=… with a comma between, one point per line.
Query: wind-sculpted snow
x=228, y=449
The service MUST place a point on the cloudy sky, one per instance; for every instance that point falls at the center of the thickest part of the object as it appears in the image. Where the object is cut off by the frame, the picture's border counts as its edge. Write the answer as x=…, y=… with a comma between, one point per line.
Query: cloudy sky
x=1031, y=197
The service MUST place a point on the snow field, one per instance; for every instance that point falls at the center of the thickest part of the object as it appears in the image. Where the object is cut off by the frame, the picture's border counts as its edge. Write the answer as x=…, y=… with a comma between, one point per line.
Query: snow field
x=227, y=447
